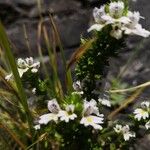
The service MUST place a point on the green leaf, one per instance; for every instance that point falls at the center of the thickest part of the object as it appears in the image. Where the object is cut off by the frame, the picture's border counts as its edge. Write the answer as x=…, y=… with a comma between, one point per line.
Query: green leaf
x=5, y=44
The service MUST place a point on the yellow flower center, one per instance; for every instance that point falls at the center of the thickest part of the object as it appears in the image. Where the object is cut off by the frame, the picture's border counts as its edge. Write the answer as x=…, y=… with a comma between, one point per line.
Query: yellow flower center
x=89, y=119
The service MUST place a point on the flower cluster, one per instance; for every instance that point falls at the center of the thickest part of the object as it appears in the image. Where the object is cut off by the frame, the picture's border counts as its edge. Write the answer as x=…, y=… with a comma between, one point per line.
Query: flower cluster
x=125, y=130
x=24, y=65
x=143, y=113
x=57, y=114
x=121, y=21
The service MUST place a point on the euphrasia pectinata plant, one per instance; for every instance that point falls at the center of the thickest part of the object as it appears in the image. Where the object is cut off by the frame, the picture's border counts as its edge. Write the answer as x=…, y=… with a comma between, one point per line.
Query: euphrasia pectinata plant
x=113, y=23
x=79, y=122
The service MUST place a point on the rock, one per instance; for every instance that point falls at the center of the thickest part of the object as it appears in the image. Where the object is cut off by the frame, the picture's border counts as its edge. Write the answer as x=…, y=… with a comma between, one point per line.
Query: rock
x=25, y=2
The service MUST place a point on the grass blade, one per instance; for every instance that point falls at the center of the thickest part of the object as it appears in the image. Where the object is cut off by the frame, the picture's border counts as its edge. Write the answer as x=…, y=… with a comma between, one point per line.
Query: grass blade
x=4, y=42
x=67, y=71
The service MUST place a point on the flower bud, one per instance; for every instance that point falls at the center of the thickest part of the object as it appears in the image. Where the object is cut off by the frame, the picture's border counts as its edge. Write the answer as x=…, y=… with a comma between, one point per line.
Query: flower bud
x=53, y=106
x=116, y=9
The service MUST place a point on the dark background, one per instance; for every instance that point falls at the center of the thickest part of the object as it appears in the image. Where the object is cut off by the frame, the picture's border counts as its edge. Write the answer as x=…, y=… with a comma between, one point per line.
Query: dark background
x=73, y=17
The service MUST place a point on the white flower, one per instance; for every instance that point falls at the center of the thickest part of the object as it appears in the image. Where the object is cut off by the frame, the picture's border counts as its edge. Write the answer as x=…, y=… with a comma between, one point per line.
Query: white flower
x=145, y=104
x=77, y=86
x=37, y=127
x=98, y=13
x=133, y=27
x=29, y=61
x=125, y=130
x=100, y=16
x=21, y=63
x=34, y=90
x=118, y=128
x=27, y=64
x=96, y=27
x=104, y=102
x=21, y=71
x=116, y=32
x=101, y=19
x=35, y=67
x=46, y=118
x=24, y=65
x=91, y=120
x=137, y=30
x=140, y=114
x=90, y=107
x=134, y=18
x=147, y=125
x=8, y=77
x=53, y=116
x=53, y=106
x=127, y=133
x=68, y=114
x=116, y=9
x=34, y=70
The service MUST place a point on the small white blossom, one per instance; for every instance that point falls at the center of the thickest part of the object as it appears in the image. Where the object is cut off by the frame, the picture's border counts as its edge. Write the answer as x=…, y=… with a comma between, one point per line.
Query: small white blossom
x=100, y=16
x=125, y=130
x=23, y=65
x=90, y=107
x=91, y=120
x=133, y=27
x=96, y=27
x=54, y=108
x=8, y=77
x=116, y=31
x=137, y=30
x=104, y=102
x=118, y=128
x=127, y=134
x=98, y=13
x=68, y=114
x=147, y=125
x=116, y=9
x=46, y=118
x=34, y=70
x=29, y=61
x=77, y=86
x=21, y=71
x=34, y=90
x=129, y=23
x=35, y=66
x=140, y=114
x=134, y=18
x=145, y=104
x=37, y=127
x=113, y=17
